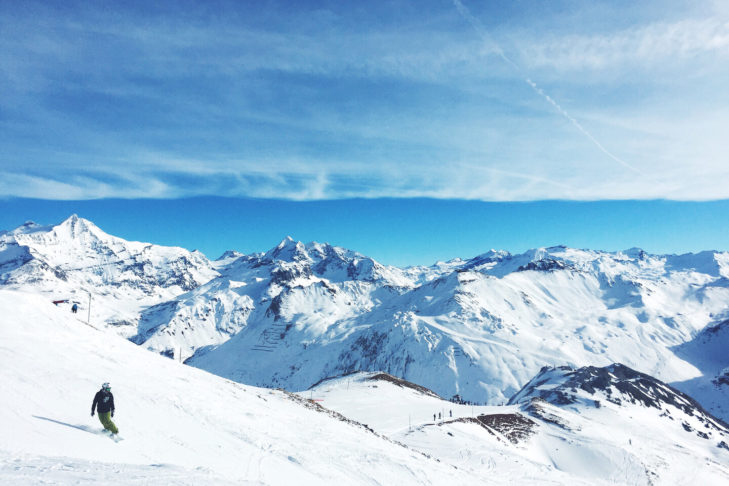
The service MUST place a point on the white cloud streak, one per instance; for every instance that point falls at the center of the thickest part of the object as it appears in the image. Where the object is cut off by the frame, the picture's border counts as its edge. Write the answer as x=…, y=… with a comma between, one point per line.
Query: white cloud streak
x=579, y=127
x=481, y=30
x=641, y=47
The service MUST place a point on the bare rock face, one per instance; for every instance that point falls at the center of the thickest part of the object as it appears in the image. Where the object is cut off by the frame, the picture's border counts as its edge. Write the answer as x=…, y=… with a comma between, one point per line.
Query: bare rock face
x=514, y=426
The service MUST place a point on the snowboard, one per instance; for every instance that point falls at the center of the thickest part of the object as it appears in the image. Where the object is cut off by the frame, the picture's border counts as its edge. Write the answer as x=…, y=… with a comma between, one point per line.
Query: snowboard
x=114, y=437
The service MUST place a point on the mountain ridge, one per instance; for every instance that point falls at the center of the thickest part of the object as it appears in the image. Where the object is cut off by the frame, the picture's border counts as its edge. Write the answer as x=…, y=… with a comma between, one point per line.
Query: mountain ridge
x=302, y=312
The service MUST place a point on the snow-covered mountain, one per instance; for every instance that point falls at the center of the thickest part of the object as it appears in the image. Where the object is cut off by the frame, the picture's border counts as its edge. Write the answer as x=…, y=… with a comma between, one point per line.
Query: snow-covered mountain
x=709, y=352
x=615, y=414
x=609, y=425
x=261, y=295
x=477, y=328
x=73, y=259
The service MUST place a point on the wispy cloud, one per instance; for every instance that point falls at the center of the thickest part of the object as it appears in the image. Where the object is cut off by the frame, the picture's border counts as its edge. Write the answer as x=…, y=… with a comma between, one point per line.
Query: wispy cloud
x=642, y=47
x=297, y=103
x=481, y=30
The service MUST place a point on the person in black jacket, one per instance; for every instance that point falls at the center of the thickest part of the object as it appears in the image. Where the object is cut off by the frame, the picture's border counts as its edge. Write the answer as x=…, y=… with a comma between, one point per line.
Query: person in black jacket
x=104, y=403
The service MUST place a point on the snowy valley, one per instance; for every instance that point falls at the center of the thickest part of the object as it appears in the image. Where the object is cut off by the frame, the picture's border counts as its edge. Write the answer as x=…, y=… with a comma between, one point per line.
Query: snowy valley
x=368, y=355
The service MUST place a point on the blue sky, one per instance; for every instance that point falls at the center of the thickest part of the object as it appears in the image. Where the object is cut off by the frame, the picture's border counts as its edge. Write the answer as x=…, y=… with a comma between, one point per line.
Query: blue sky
x=395, y=231
x=499, y=101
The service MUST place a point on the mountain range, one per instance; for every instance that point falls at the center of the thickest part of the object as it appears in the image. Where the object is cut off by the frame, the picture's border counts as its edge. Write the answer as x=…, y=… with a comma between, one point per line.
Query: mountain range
x=555, y=366
x=473, y=330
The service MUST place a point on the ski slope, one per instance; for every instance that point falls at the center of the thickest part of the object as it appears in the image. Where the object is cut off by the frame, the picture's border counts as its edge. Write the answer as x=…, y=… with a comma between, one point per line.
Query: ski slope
x=179, y=425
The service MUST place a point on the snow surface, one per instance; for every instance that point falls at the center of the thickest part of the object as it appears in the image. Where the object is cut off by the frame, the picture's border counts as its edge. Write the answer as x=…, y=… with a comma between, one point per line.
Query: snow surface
x=480, y=328
x=75, y=260
x=612, y=444
x=179, y=425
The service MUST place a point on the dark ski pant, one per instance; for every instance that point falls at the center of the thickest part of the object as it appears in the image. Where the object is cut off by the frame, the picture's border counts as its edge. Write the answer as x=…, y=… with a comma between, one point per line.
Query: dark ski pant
x=105, y=419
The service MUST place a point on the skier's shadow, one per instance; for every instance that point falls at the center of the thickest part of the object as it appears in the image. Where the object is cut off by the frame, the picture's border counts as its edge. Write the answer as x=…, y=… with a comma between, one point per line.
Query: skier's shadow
x=85, y=428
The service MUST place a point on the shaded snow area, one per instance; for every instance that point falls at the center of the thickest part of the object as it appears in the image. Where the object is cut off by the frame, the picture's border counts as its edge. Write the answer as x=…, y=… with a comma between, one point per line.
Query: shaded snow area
x=587, y=437
x=179, y=425
x=709, y=351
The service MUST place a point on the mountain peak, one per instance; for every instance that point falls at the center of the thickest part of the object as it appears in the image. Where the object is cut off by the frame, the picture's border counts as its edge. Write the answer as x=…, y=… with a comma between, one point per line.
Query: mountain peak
x=230, y=255
x=286, y=242
x=288, y=250
x=635, y=253
x=74, y=226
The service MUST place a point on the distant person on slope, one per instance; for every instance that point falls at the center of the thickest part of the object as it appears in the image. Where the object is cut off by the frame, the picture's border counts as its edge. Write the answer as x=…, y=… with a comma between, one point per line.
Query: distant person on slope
x=105, y=401
x=74, y=309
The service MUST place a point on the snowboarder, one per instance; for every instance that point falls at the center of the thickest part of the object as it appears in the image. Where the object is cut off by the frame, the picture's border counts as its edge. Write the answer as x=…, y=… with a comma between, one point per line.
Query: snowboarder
x=74, y=309
x=105, y=401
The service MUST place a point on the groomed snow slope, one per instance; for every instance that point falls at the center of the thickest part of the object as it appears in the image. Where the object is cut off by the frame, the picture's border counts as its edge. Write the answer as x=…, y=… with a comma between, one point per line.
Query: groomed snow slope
x=179, y=425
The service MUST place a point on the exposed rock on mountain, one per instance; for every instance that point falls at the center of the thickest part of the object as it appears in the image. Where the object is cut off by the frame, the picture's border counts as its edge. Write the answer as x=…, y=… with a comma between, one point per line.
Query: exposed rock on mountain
x=617, y=384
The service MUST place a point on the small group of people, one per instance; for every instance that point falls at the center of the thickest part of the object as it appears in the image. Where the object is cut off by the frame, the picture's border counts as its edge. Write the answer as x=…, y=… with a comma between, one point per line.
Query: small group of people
x=450, y=412
x=104, y=404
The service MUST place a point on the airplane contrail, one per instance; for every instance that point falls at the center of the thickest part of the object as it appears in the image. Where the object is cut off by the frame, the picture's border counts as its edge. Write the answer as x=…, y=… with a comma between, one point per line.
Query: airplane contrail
x=481, y=30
